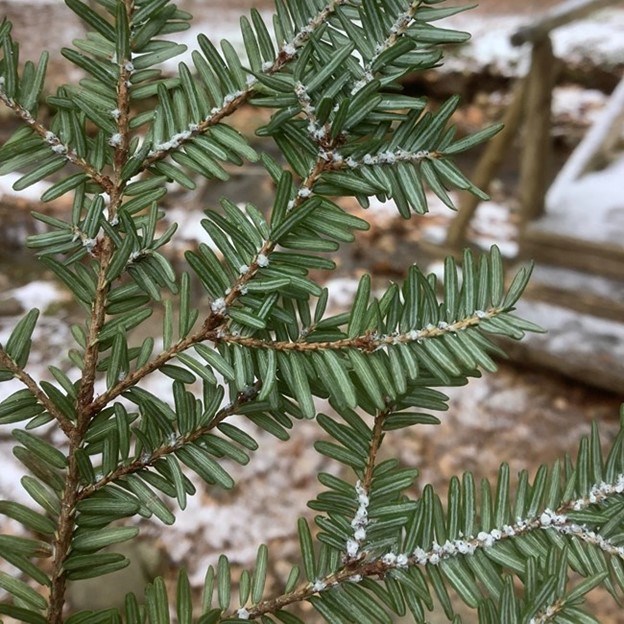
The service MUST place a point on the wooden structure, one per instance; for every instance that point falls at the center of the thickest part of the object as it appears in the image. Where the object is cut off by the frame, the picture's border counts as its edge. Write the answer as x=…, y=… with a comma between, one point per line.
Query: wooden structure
x=574, y=230
x=531, y=104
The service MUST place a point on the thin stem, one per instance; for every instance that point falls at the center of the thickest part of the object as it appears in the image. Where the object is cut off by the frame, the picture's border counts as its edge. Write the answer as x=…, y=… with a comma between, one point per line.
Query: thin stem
x=64, y=534
x=133, y=378
x=214, y=324
x=140, y=463
x=65, y=423
x=373, y=450
x=66, y=522
x=367, y=342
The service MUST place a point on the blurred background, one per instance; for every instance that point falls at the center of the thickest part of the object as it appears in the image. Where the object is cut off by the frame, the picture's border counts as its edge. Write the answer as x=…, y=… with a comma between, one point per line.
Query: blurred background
x=556, y=178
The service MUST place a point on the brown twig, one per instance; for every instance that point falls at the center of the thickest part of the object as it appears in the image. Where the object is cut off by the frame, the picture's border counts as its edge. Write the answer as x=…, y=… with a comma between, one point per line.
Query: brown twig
x=66, y=524
x=373, y=450
x=140, y=463
x=214, y=324
x=367, y=342
x=64, y=422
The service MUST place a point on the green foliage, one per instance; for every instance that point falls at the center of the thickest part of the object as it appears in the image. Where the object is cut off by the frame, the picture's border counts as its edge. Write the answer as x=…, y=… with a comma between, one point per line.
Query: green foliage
x=330, y=75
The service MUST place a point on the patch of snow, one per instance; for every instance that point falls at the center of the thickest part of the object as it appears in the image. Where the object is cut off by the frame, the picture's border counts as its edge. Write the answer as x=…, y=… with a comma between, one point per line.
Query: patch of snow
x=38, y=294
x=492, y=225
x=489, y=46
x=591, y=208
x=32, y=193
x=609, y=125
x=597, y=39
x=384, y=210
x=341, y=292
x=573, y=335
x=574, y=103
x=571, y=280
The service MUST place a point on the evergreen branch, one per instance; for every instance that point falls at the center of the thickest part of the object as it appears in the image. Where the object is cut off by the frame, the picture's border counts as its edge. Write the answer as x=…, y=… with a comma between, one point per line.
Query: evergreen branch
x=120, y=142
x=233, y=101
x=375, y=445
x=362, y=489
x=55, y=143
x=371, y=341
x=262, y=258
x=65, y=423
x=144, y=462
x=153, y=365
x=64, y=536
x=397, y=30
x=216, y=322
x=356, y=569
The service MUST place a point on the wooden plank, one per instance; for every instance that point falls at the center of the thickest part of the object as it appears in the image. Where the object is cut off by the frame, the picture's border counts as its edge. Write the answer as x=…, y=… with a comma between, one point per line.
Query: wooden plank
x=584, y=347
x=599, y=258
x=536, y=162
x=586, y=293
x=488, y=166
x=559, y=16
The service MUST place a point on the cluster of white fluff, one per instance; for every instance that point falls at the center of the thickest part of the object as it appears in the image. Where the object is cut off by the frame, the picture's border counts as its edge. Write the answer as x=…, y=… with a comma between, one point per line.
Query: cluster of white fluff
x=173, y=143
x=262, y=260
x=359, y=522
x=387, y=157
x=548, y=519
x=218, y=306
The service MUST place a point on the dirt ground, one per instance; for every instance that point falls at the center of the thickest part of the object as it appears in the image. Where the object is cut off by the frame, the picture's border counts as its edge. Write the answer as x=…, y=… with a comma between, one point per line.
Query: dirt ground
x=525, y=417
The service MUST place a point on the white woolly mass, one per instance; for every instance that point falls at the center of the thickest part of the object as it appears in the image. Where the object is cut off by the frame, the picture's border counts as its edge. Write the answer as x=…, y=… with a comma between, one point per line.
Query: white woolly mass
x=289, y=49
x=359, y=522
x=175, y=141
x=262, y=261
x=242, y=614
x=547, y=520
x=115, y=140
x=218, y=306
x=319, y=585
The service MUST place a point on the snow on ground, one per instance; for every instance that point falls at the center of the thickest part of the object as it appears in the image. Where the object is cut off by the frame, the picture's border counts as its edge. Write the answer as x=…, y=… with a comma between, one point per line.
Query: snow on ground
x=32, y=193
x=574, y=104
x=596, y=39
x=38, y=294
x=597, y=195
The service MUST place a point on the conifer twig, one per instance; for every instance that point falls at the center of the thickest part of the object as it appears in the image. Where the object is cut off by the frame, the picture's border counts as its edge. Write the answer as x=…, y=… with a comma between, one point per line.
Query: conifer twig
x=7, y=362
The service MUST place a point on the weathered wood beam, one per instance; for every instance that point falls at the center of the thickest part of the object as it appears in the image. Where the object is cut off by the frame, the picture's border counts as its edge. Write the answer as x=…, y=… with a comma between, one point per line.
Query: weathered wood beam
x=487, y=167
x=599, y=140
x=559, y=16
x=536, y=162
